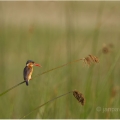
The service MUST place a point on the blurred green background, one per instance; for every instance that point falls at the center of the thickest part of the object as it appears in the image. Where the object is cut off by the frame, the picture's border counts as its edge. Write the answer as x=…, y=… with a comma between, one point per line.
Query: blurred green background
x=52, y=34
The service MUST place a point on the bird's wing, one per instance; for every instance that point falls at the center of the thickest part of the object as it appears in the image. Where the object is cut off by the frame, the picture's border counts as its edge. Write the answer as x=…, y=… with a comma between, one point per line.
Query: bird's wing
x=26, y=73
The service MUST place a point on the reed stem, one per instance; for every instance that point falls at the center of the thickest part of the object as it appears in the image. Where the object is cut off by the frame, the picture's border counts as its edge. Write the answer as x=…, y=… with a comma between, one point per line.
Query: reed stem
x=40, y=75
x=46, y=103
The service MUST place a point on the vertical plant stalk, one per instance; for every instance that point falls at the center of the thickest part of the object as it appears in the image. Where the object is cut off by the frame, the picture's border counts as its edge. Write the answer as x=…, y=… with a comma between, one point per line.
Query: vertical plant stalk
x=70, y=37
x=97, y=28
x=94, y=49
x=109, y=73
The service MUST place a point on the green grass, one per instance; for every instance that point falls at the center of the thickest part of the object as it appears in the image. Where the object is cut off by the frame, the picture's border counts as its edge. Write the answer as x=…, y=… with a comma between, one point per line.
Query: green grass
x=59, y=33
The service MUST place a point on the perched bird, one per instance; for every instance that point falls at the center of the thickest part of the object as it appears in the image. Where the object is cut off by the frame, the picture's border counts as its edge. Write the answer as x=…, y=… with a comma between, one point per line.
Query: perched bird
x=28, y=70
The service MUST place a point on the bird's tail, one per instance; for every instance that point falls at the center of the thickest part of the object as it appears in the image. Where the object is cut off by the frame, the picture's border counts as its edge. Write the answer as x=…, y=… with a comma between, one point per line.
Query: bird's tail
x=27, y=82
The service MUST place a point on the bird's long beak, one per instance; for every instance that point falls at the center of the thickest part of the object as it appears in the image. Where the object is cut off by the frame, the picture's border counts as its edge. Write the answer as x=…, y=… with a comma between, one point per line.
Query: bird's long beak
x=37, y=65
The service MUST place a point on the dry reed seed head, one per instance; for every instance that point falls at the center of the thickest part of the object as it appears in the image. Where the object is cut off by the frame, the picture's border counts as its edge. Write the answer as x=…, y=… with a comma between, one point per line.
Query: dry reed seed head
x=94, y=58
x=87, y=60
x=107, y=48
x=90, y=59
x=79, y=97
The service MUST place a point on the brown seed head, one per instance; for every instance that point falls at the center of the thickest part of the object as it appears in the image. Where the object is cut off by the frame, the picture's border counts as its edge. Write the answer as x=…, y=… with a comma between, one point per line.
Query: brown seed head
x=107, y=48
x=79, y=97
x=87, y=60
x=90, y=59
x=94, y=59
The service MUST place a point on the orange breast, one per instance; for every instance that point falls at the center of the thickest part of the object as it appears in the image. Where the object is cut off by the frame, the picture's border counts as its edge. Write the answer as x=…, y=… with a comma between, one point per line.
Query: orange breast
x=30, y=74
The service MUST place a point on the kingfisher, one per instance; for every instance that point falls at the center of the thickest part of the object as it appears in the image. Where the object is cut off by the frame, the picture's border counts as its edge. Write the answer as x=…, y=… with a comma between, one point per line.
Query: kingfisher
x=28, y=70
